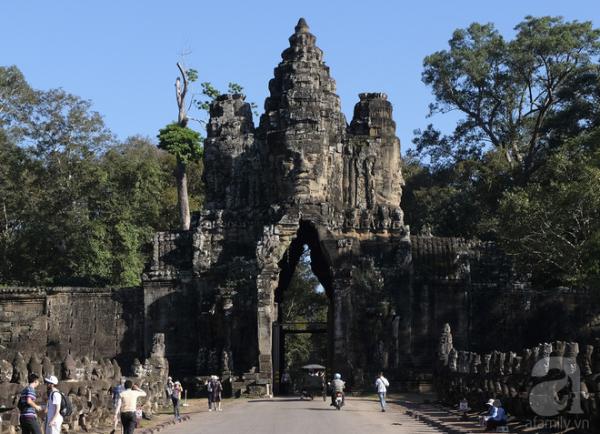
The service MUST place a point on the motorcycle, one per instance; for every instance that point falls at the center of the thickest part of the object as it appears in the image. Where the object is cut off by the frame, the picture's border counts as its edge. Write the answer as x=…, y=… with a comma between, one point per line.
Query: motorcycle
x=339, y=400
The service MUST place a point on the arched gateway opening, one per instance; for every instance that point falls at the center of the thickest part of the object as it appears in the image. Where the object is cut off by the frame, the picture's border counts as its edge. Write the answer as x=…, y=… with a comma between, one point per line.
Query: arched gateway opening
x=303, y=302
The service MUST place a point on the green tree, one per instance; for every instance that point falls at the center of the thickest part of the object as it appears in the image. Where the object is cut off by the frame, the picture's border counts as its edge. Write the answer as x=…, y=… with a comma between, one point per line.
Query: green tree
x=303, y=301
x=556, y=237
x=183, y=142
x=511, y=93
x=520, y=165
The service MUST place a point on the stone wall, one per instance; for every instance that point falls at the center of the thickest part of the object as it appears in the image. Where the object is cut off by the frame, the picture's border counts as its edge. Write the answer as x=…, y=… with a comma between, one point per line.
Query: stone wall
x=97, y=323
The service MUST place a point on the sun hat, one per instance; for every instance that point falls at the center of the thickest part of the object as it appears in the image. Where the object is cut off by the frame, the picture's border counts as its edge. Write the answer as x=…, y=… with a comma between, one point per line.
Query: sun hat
x=490, y=402
x=51, y=380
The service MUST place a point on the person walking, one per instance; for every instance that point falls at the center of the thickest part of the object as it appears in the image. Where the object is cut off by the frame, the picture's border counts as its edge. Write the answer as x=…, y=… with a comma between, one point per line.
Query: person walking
x=175, y=398
x=216, y=388
x=54, y=419
x=116, y=404
x=128, y=406
x=381, y=384
x=28, y=408
x=169, y=387
x=208, y=385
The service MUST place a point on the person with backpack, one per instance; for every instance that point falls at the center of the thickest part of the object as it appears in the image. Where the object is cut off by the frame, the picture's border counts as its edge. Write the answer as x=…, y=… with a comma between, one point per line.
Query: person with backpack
x=54, y=417
x=381, y=384
x=28, y=408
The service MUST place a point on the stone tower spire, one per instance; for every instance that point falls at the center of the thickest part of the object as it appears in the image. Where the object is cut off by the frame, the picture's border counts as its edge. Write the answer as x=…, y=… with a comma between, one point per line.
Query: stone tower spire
x=303, y=123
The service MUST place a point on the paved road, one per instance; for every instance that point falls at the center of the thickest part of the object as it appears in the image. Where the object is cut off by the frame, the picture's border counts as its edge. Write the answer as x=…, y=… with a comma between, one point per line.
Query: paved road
x=359, y=416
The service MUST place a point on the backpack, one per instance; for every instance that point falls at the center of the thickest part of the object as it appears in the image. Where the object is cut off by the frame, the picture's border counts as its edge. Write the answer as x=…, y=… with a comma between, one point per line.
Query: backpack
x=66, y=408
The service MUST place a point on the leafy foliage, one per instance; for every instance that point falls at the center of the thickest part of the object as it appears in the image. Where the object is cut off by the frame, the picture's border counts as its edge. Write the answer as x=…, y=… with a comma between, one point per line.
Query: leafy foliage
x=303, y=301
x=520, y=166
x=510, y=92
x=182, y=142
x=77, y=207
x=211, y=93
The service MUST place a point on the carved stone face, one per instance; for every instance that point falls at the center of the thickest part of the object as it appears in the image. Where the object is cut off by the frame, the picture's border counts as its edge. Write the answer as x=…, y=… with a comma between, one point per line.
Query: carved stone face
x=298, y=173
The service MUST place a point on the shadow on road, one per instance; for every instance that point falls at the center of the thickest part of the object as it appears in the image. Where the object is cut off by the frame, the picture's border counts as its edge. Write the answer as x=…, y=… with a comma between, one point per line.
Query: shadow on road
x=275, y=400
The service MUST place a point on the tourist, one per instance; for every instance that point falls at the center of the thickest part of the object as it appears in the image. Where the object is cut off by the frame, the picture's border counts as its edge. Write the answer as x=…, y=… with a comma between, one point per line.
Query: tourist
x=128, y=406
x=286, y=380
x=381, y=384
x=53, y=417
x=463, y=407
x=483, y=418
x=169, y=387
x=28, y=407
x=116, y=403
x=175, y=398
x=497, y=418
x=216, y=389
x=208, y=384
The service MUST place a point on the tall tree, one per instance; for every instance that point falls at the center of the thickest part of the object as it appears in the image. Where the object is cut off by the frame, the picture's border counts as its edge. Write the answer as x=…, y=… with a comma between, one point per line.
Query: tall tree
x=510, y=91
x=182, y=142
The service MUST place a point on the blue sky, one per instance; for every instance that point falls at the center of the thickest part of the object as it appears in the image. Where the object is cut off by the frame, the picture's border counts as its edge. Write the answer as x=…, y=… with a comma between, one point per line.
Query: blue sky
x=121, y=55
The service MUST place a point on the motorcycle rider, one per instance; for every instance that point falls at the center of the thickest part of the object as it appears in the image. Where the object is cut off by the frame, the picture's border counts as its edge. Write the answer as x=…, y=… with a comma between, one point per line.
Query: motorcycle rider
x=337, y=385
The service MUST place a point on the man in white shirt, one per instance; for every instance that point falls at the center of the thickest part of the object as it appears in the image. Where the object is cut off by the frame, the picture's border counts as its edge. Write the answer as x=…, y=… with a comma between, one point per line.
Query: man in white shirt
x=128, y=406
x=382, y=384
x=53, y=417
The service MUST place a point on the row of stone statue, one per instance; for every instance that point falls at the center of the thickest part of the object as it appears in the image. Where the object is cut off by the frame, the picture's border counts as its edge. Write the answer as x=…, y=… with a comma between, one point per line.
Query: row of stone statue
x=546, y=380
x=88, y=383
x=506, y=363
x=68, y=369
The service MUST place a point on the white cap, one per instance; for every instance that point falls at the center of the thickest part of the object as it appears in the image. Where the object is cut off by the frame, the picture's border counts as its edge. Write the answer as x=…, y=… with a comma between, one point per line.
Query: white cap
x=51, y=380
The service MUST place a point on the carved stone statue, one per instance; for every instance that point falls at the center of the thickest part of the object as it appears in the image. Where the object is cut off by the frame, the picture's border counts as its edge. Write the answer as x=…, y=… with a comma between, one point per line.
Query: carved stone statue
x=47, y=367
x=475, y=363
x=570, y=357
x=453, y=360
x=19, y=370
x=585, y=359
x=445, y=345
x=137, y=368
x=463, y=362
x=116, y=370
x=158, y=345
x=69, y=368
x=6, y=371
x=34, y=365
x=87, y=368
x=487, y=358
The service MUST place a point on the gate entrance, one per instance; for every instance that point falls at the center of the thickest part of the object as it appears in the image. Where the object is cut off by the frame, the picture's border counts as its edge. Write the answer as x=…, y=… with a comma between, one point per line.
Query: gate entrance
x=302, y=300
x=283, y=332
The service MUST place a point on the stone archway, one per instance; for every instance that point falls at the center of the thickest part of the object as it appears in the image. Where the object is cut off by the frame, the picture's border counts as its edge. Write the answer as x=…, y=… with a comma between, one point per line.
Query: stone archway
x=274, y=284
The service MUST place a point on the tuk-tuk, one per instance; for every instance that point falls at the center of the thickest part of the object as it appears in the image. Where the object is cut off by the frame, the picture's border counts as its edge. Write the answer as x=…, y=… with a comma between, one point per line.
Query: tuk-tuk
x=313, y=382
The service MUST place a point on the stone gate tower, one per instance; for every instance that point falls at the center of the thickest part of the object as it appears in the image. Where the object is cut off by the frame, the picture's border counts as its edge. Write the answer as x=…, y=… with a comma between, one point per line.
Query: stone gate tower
x=303, y=176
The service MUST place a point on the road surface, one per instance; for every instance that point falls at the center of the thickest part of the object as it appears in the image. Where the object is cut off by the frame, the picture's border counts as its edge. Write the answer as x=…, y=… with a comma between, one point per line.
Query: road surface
x=292, y=416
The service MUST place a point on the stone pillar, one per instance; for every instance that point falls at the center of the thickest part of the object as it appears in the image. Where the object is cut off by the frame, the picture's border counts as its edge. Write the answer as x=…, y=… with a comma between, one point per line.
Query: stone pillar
x=341, y=321
x=265, y=284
